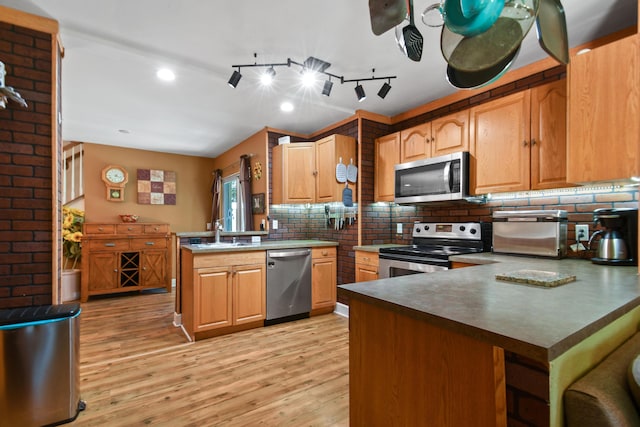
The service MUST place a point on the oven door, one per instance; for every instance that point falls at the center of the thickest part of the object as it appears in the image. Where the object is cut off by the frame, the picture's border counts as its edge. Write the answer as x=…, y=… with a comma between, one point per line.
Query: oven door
x=395, y=267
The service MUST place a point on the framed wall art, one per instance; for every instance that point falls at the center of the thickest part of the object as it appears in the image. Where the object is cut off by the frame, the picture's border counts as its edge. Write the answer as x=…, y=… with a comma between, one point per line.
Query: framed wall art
x=257, y=203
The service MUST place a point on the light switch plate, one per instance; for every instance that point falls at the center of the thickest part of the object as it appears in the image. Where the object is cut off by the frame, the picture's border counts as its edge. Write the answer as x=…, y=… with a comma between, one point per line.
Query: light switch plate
x=399, y=228
x=275, y=224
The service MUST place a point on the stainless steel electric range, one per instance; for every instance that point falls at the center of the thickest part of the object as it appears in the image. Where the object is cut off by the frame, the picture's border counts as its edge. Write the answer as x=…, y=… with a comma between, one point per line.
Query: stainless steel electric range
x=432, y=245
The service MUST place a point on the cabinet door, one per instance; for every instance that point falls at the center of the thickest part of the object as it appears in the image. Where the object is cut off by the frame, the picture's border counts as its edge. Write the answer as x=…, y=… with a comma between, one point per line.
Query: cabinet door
x=604, y=106
x=387, y=156
x=415, y=143
x=323, y=283
x=293, y=173
x=549, y=135
x=213, y=298
x=153, y=269
x=249, y=297
x=500, y=143
x=450, y=134
x=103, y=270
x=365, y=273
x=326, y=182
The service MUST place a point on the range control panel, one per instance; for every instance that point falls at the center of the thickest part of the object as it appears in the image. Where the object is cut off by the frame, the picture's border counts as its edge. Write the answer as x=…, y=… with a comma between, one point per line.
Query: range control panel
x=448, y=230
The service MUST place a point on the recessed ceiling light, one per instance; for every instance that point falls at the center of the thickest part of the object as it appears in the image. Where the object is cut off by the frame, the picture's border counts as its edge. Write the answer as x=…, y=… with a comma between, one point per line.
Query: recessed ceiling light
x=166, y=74
x=286, y=107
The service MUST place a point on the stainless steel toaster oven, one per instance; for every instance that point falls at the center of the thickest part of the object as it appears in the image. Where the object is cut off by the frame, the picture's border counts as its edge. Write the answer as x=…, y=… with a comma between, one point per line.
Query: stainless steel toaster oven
x=536, y=233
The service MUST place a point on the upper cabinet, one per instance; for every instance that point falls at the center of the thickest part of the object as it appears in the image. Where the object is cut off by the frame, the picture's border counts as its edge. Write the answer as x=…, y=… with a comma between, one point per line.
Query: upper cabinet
x=306, y=172
x=387, y=155
x=604, y=106
x=444, y=135
x=518, y=142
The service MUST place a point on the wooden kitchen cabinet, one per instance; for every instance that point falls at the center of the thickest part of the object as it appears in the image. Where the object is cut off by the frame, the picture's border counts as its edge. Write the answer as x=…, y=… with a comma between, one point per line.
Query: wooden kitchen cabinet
x=306, y=172
x=441, y=136
x=518, y=142
x=366, y=266
x=124, y=258
x=223, y=292
x=387, y=155
x=604, y=106
x=323, y=280
x=293, y=167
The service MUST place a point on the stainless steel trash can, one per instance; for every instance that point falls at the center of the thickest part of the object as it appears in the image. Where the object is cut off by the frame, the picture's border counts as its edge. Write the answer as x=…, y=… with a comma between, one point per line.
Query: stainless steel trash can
x=39, y=365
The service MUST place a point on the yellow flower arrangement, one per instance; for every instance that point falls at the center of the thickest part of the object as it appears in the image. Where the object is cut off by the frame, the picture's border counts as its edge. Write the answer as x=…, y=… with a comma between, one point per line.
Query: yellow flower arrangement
x=72, y=220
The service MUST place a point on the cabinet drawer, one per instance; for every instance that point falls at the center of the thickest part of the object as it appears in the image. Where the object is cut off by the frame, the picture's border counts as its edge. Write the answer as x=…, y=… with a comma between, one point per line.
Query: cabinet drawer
x=130, y=228
x=329, y=252
x=99, y=228
x=106, y=244
x=229, y=258
x=368, y=258
x=156, y=228
x=150, y=243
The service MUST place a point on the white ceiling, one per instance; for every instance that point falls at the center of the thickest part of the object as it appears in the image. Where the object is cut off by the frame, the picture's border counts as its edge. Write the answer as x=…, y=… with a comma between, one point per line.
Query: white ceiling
x=114, y=47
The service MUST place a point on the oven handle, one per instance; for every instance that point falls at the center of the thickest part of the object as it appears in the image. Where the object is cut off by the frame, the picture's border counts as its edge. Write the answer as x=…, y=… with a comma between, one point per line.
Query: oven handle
x=385, y=265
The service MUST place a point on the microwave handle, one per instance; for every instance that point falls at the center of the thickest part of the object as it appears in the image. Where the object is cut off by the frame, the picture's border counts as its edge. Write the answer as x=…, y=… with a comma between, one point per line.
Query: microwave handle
x=446, y=176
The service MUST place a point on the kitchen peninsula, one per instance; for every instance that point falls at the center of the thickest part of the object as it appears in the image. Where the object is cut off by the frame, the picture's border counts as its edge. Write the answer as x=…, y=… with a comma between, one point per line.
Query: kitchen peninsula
x=223, y=285
x=439, y=349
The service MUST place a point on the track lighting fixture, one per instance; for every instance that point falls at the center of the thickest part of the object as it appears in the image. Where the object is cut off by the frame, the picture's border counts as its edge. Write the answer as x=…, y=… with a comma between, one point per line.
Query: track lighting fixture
x=360, y=93
x=311, y=68
x=235, y=78
x=384, y=90
x=326, y=89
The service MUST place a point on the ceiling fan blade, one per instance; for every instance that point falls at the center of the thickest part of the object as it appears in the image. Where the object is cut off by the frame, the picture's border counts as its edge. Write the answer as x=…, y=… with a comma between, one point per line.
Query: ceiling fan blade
x=386, y=14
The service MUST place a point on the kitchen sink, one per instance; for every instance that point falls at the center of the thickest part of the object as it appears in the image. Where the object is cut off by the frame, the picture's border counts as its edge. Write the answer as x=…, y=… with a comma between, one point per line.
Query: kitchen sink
x=222, y=245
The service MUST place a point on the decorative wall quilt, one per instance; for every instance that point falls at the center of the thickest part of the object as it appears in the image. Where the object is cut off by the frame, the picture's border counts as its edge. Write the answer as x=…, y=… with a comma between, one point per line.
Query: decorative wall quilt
x=156, y=187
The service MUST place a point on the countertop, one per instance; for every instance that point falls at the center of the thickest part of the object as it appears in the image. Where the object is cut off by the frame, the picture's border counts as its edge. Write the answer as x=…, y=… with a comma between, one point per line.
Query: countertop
x=263, y=246
x=538, y=322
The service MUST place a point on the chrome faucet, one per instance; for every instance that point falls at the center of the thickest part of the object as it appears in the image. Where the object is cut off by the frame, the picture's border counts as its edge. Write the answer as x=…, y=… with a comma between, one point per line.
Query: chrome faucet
x=217, y=227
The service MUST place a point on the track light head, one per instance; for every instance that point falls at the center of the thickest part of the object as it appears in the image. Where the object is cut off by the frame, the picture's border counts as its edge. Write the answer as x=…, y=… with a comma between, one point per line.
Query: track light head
x=384, y=90
x=326, y=90
x=267, y=77
x=235, y=78
x=360, y=93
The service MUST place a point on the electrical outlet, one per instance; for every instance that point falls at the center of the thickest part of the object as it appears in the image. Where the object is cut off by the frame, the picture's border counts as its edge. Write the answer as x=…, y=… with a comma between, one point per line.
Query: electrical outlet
x=582, y=232
x=398, y=228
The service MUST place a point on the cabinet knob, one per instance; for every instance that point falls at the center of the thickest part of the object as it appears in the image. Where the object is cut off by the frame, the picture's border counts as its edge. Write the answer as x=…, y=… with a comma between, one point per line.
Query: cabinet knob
x=129, y=228
x=433, y=139
x=533, y=142
x=366, y=258
x=144, y=268
x=115, y=270
x=525, y=143
x=325, y=253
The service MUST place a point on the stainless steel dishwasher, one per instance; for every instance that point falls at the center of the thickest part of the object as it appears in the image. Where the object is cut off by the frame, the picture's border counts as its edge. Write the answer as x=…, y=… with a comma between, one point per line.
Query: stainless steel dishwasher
x=288, y=284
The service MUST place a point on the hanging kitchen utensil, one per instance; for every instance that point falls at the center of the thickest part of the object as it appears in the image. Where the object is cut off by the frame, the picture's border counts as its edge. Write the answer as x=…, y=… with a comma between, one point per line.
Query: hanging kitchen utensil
x=412, y=37
x=352, y=172
x=347, y=195
x=477, y=79
x=341, y=171
x=551, y=27
x=386, y=14
x=400, y=37
x=471, y=17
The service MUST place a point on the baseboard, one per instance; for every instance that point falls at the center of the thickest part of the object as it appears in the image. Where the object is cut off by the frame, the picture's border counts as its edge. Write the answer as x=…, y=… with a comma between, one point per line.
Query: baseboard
x=342, y=310
x=186, y=334
x=177, y=319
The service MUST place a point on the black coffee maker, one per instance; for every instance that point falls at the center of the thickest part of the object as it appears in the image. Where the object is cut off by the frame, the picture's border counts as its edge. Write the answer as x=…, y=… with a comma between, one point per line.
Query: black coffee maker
x=618, y=243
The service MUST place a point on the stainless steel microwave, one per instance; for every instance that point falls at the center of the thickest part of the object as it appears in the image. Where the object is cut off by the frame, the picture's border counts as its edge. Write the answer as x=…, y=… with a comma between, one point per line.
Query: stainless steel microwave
x=434, y=179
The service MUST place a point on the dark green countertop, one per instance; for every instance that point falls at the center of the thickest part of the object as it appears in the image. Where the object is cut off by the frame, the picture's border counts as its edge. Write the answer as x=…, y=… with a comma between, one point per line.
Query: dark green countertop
x=538, y=322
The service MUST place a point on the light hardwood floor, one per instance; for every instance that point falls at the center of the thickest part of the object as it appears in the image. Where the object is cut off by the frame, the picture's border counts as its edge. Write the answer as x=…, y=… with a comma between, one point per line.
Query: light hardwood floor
x=138, y=369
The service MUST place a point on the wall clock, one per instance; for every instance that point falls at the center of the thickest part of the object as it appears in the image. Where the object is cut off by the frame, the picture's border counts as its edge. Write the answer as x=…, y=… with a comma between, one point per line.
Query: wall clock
x=115, y=178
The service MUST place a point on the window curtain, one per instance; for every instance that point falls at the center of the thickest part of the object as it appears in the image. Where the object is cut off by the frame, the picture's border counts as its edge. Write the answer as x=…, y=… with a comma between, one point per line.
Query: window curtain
x=216, y=191
x=245, y=186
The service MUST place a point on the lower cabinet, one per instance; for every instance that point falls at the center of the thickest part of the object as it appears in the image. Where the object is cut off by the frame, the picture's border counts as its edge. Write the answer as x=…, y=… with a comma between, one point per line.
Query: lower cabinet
x=366, y=266
x=323, y=280
x=228, y=293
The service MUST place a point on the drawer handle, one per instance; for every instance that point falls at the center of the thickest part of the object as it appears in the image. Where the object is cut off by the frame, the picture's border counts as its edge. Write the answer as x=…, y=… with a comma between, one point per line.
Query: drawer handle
x=100, y=229
x=149, y=243
x=366, y=258
x=325, y=253
x=110, y=245
x=129, y=228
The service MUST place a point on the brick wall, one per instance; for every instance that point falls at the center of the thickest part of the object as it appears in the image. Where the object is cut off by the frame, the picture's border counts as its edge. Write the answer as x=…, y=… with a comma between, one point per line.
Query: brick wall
x=25, y=170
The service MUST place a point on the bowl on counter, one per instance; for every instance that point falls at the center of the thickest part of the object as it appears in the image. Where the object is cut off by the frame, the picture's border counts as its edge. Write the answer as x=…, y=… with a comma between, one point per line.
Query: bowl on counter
x=129, y=218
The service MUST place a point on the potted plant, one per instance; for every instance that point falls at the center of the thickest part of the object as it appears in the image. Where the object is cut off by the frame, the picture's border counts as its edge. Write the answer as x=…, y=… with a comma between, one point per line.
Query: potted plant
x=72, y=220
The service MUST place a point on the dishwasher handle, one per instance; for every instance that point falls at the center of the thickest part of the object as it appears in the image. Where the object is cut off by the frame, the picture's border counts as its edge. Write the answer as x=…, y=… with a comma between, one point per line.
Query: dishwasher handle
x=288, y=253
